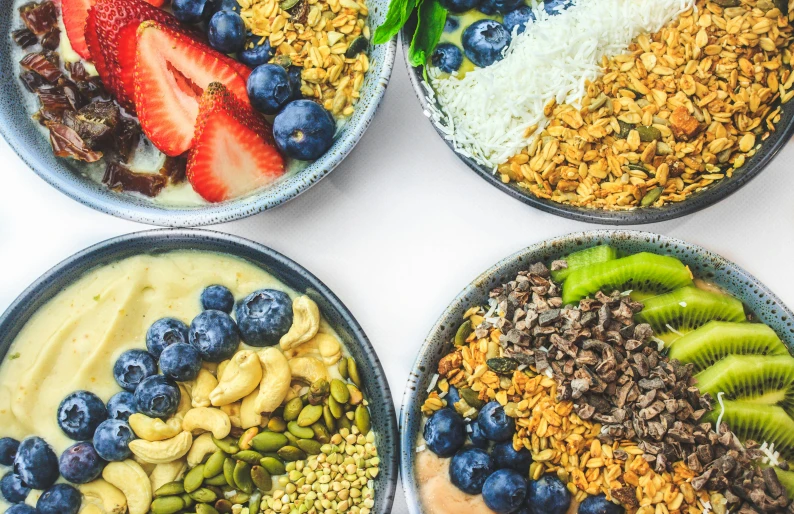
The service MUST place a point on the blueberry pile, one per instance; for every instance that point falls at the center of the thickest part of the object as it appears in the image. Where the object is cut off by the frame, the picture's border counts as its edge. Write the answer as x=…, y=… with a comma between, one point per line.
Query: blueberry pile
x=101, y=432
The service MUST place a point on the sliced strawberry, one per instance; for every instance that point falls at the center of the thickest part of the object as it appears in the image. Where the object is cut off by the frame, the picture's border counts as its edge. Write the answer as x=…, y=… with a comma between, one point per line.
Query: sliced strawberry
x=95, y=47
x=74, y=14
x=171, y=73
x=156, y=3
x=233, y=152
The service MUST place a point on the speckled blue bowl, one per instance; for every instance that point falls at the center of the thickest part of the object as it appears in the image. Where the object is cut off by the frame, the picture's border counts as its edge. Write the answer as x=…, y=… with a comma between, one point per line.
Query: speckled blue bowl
x=376, y=387
x=703, y=263
x=67, y=175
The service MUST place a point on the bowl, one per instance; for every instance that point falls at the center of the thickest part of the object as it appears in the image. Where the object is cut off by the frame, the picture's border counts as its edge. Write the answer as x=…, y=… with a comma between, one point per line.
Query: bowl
x=703, y=263
x=67, y=175
x=697, y=201
x=384, y=420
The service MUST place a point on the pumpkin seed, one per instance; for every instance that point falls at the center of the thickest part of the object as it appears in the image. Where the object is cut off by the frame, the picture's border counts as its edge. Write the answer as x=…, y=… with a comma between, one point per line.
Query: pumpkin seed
x=277, y=424
x=293, y=440
x=261, y=479
x=242, y=477
x=288, y=4
x=219, y=480
x=239, y=498
x=636, y=167
x=339, y=391
x=328, y=418
x=357, y=46
x=320, y=433
x=727, y=3
x=255, y=502
x=249, y=456
x=167, y=505
x=625, y=128
x=203, y=508
x=298, y=431
x=472, y=398
x=223, y=506
x=226, y=444
x=342, y=366
x=343, y=422
x=170, y=489
x=597, y=103
x=651, y=196
x=291, y=453
x=362, y=419
x=228, y=471
x=194, y=478
x=189, y=502
x=310, y=446
x=293, y=409
x=214, y=464
x=245, y=440
x=309, y=416
x=273, y=455
x=502, y=365
x=273, y=466
x=355, y=395
x=204, y=495
x=464, y=331
x=269, y=441
x=334, y=406
x=648, y=134
x=285, y=61
x=352, y=370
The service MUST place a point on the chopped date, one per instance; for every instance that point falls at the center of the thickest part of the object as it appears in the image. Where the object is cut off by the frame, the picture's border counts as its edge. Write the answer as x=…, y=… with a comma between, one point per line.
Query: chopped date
x=39, y=17
x=39, y=63
x=126, y=137
x=52, y=39
x=32, y=81
x=24, y=38
x=67, y=143
x=120, y=178
x=174, y=168
x=54, y=99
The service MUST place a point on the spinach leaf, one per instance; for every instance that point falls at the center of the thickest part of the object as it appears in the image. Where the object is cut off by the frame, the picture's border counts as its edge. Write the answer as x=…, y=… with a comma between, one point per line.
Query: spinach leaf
x=430, y=25
x=398, y=14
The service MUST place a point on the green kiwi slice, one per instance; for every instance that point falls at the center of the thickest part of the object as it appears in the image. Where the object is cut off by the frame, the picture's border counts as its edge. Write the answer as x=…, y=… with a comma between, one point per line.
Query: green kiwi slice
x=786, y=479
x=681, y=311
x=760, y=423
x=718, y=339
x=755, y=378
x=641, y=272
x=583, y=258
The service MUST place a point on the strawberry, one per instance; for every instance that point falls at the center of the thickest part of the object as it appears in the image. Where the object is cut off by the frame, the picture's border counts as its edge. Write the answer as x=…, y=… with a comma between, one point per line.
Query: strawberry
x=74, y=14
x=171, y=73
x=233, y=152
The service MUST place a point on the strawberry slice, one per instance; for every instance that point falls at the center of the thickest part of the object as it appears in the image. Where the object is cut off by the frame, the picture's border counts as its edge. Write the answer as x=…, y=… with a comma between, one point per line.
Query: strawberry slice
x=95, y=47
x=74, y=14
x=171, y=73
x=233, y=152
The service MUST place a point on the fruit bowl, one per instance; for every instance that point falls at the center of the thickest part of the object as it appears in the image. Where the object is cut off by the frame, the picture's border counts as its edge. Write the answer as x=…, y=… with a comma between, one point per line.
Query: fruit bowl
x=757, y=299
x=153, y=244
x=81, y=182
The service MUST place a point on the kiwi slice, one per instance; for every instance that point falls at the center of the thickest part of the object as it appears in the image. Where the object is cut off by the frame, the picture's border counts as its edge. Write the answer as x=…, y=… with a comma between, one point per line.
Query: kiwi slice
x=681, y=311
x=643, y=272
x=758, y=378
x=583, y=258
x=760, y=423
x=786, y=479
x=718, y=339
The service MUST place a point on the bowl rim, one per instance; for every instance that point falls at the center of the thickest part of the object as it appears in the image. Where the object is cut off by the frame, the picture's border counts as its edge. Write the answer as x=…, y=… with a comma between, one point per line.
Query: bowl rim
x=119, y=205
x=638, y=216
x=411, y=401
x=13, y=319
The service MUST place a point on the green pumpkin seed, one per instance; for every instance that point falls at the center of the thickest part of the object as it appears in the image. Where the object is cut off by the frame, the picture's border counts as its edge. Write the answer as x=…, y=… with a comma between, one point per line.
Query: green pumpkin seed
x=310, y=446
x=228, y=471
x=167, y=505
x=261, y=478
x=334, y=406
x=170, y=489
x=189, y=502
x=648, y=134
x=472, y=398
x=727, y=3
x=299, y=431
x=245, y=440
x=352, y=369
x=463, y=333
x=320, y=433
x=226, y=444
x=293, y=439
x=204, y=495
x=502, y=365
x=223, y=506
x=339, y=391
x=286, y=5
x=273, y=455
x=214, y=464
x=328, y=418
x=269, y=441
x=636, y=167
x=357, y=46
x=597, y=103
x=362, y=419
x=273, y=466
x=309, y=416
x=277, y=424
x=240, y=498
x=255, y=502
x=625, y=128
x=194, y=478
x=651, y=196
x=249, y=456
x=218, y=480
x=242, y=477
x=293, y=409
x=355, y=394
x=291, y=454
x=343, y=422
x=203, y=508
x=342, y=366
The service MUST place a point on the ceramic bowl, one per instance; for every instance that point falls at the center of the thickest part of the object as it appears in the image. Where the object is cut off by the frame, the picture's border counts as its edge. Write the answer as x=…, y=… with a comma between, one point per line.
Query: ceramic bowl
x=384, y=420
x=67, y=175
x=713, y=194
x=703, y=263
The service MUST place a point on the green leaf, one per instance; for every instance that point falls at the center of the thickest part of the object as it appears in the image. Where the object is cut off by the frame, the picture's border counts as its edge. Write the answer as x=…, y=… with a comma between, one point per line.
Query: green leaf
x=429, y=28
x=398, y=14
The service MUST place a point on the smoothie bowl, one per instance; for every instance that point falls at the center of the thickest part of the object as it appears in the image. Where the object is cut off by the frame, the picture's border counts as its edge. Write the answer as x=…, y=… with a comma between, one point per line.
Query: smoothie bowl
x=184, y=371
x=191, y=112
x=604, y=372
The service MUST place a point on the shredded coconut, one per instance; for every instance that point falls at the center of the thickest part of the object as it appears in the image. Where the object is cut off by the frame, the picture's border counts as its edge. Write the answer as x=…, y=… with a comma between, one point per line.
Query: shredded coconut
x=682, y=304
x=433, y=382
x=674, y=331
x=420, y=448
x=772, y=457
x=469, y=429
x=486, y=114
x=722, y=411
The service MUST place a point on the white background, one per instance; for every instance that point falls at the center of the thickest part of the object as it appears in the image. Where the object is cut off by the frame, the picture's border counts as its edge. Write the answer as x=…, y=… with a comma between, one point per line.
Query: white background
x=398, y=229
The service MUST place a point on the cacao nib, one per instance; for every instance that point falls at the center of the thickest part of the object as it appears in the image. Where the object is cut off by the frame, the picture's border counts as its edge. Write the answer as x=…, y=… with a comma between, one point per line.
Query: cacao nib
x=43, y=65
x=67, y=143
x=24, y=38
x=39, y=17
x=120, y=178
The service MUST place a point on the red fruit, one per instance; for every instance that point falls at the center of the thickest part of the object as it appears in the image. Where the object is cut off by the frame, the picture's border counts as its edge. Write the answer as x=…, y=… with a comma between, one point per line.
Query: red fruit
x=171, y=73
x=233, y=152
x=95, y=47
x=74, y=14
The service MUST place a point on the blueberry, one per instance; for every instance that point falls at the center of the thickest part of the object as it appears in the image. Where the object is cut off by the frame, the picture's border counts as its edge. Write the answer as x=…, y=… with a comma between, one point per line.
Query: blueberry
x=121, y=406
x=295, y=81
x=21, y=508
x=265, y=315
x=504, y=456
x=12, y=488
x=447, y=57
x=256, y=52
x=459, y=6
x=36, y=463
x=599, y=505
x=157, y=397
x=304, y=130
x=8, y=448
x=189, y=11
x=225, y=5
x=445, y=432
x=504, y=491
x=268, y=88
x=495, y=424
x=453, y=396
x=215, y=335
x=132, y=367
x=548, y=495
x=484, y=41
x=217, y=298
x=452, y=24
x=477, y=436
x=80, y=413
x=180, y=362
x=518, y=18
x=80, y=463
x=499, y=6
x=112, y=439
x=554, y=7
x=226, y=32
x=60, y=499
x=469, y=468
x=164, y=332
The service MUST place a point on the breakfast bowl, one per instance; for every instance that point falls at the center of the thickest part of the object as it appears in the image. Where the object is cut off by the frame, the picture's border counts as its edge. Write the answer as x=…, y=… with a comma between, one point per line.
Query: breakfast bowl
x=147, y=180
x=79, y=336
x=472, y=391
x=514, y=134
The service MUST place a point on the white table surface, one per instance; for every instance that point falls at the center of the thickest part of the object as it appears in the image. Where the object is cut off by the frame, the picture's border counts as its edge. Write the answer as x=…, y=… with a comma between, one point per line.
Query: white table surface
x=398, y=229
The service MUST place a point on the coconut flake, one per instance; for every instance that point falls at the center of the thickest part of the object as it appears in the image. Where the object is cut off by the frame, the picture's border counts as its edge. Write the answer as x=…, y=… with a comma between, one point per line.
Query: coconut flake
x=433, y=382
x=420, y=448
x=674, y=331
x=722, y=411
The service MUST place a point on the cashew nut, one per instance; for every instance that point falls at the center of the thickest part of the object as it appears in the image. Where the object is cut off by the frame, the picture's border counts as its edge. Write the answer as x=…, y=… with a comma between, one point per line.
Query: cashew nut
x=132, y=481
x=305, y=323
x=240, y=377
x=160, y=452
x=154, y=429
x=249, y=416
x=202, y=387
x=165, y=473
x=276, y=378
x=202, y=448
x=207, y=419
x=329, y=348
x=147, y=467
x=233, y=411
x=222, y=367
x=307, y=369
x=99, y=497
x=184, y=401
